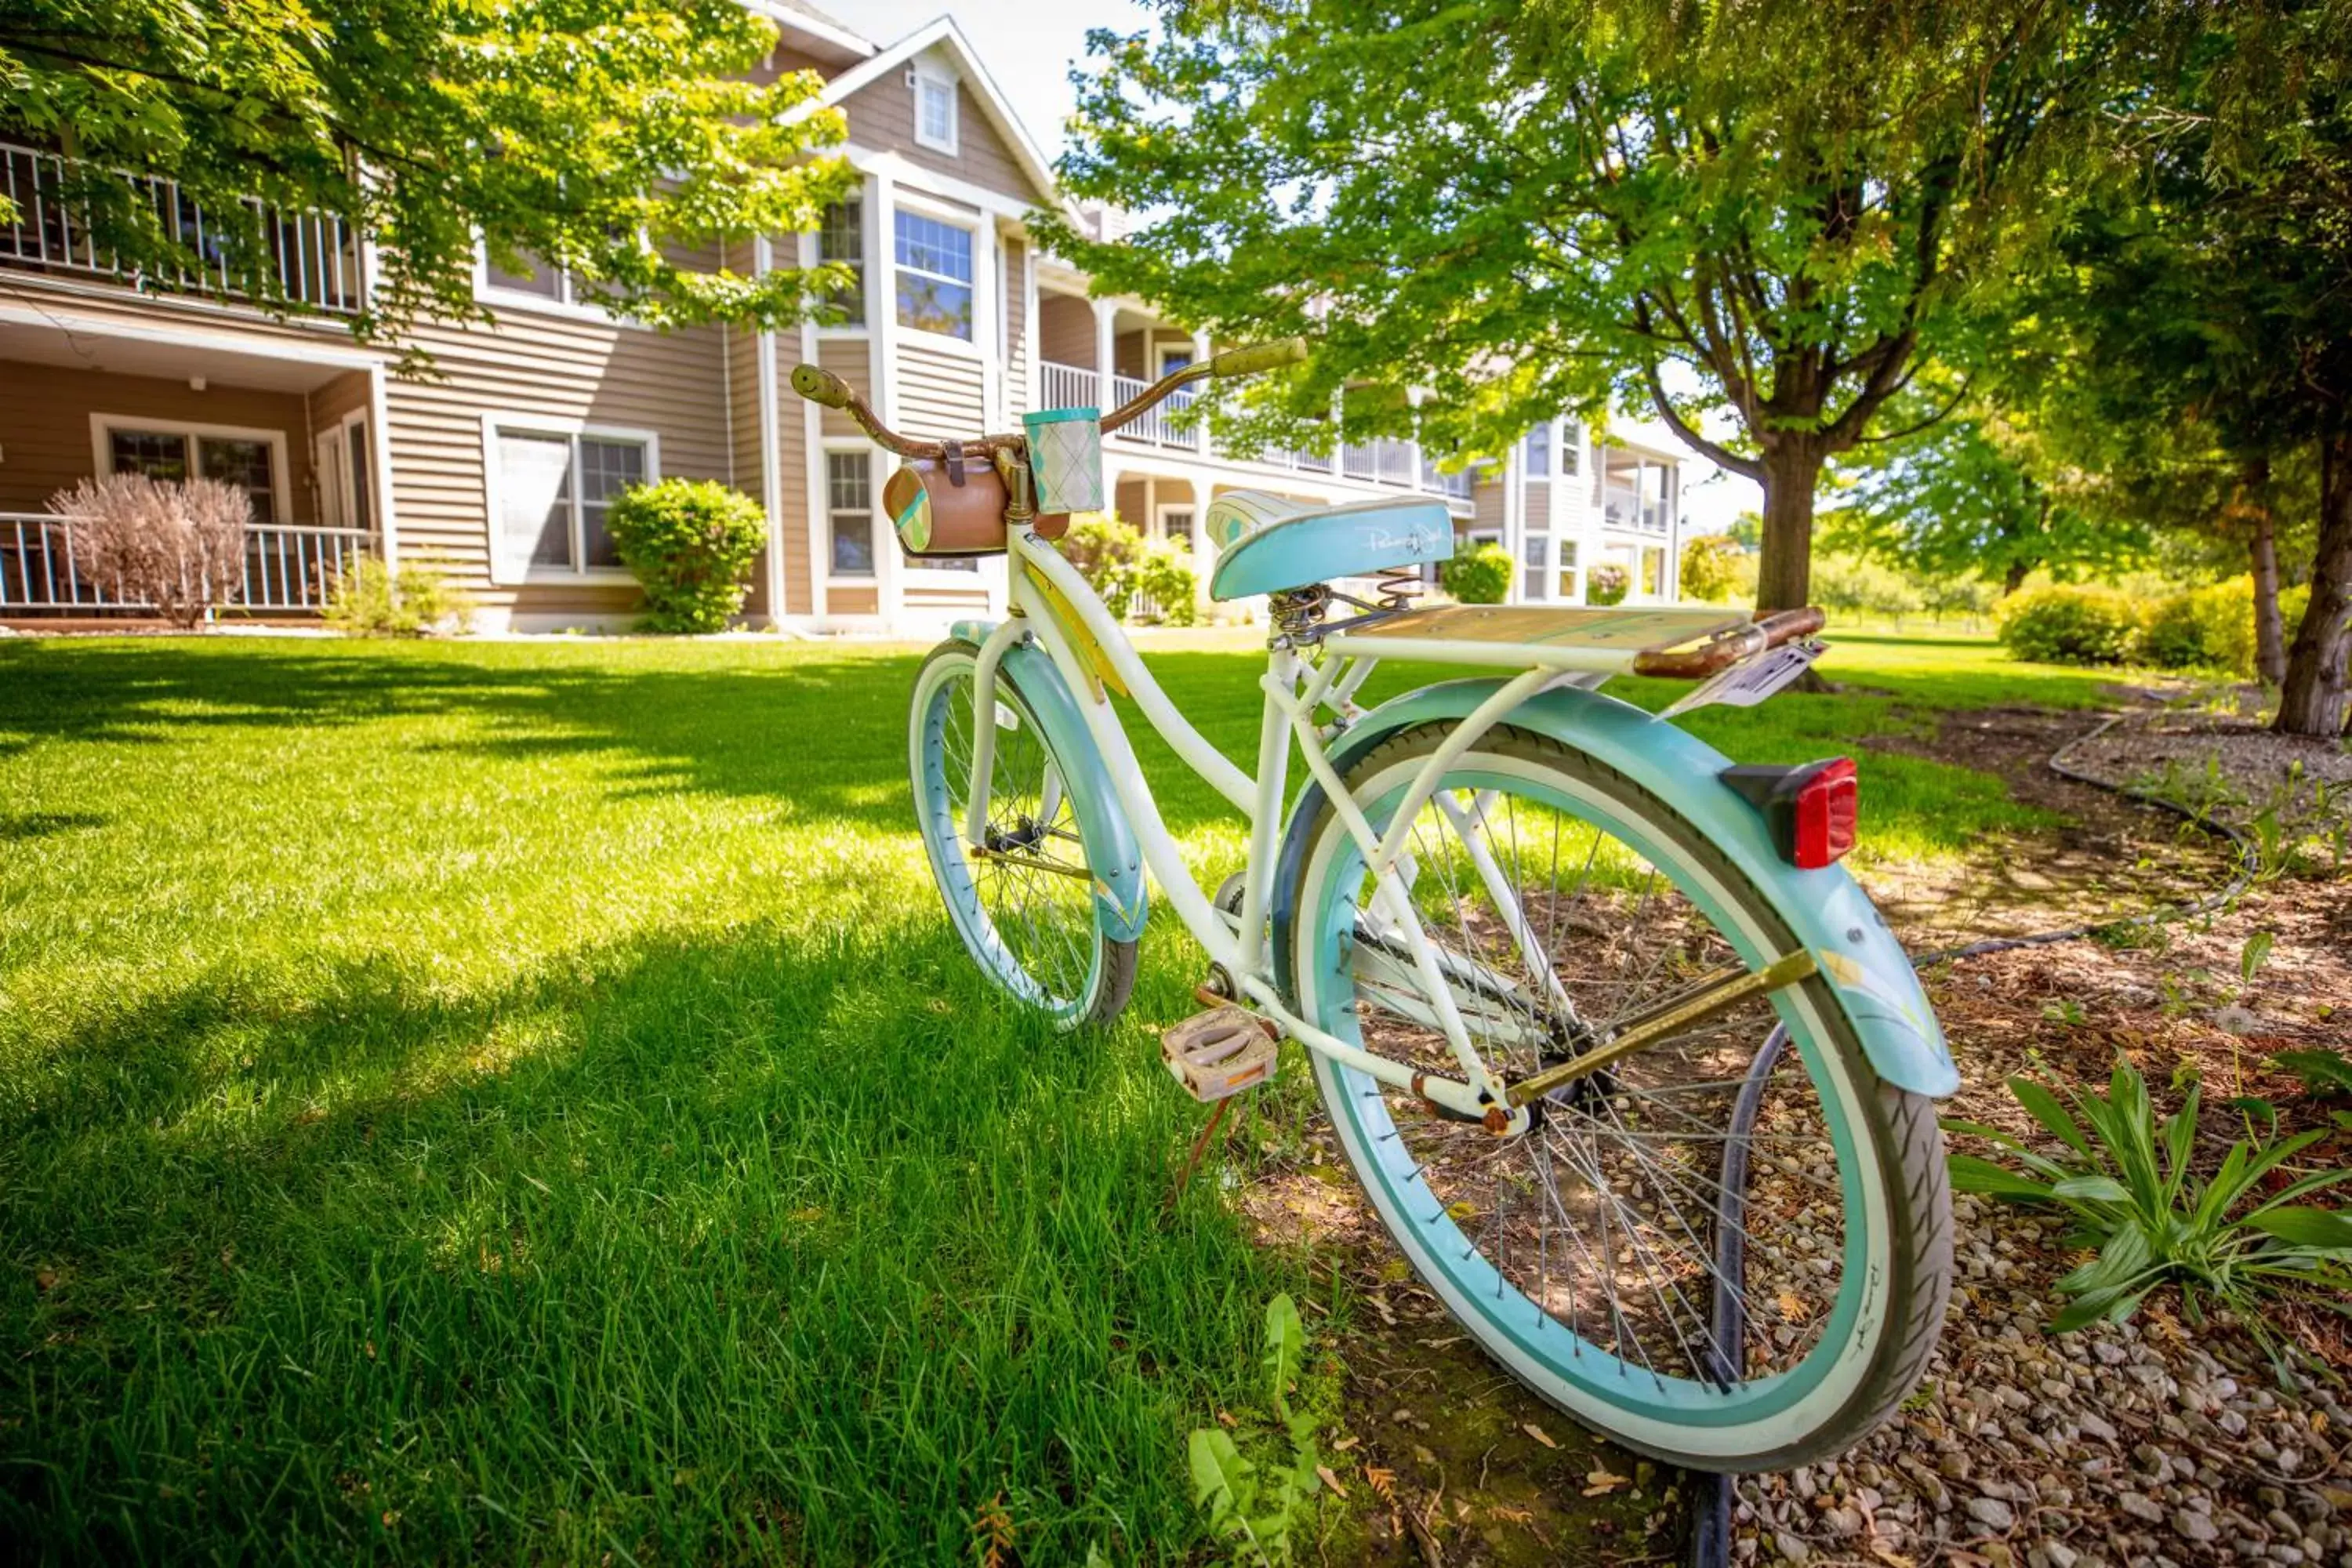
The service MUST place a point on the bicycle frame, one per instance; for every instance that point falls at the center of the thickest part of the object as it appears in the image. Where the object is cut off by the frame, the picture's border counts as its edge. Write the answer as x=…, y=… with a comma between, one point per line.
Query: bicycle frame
x=1051, y=601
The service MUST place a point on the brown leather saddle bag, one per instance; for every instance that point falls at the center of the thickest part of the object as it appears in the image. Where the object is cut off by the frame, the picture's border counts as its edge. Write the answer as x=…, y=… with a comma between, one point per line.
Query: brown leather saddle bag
x=953, y=506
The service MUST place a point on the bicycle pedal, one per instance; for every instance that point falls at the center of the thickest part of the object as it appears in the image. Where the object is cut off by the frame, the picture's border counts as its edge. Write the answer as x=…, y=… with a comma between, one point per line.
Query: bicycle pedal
x=1218, y=1054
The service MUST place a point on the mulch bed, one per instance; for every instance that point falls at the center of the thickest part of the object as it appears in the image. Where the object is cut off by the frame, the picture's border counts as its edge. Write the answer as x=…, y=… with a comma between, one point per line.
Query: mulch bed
x=2159, y=1441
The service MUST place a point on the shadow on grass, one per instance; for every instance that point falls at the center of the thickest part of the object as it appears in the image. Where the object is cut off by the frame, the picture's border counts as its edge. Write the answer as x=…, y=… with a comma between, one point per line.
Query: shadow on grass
x=770, y=1244
x=822, y=729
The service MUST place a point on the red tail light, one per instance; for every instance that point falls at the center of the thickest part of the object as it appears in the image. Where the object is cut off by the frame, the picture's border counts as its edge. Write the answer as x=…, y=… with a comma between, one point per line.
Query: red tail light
x=1811, y=810
x=1828, y=803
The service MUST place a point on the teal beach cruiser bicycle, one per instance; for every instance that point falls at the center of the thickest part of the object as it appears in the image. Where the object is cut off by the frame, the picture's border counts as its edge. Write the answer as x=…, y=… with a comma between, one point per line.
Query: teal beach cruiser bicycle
x=1628, y=1064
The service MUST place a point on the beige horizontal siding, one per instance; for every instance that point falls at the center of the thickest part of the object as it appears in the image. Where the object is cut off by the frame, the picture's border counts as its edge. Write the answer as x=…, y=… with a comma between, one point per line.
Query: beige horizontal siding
x=1066, y=330
x=1018, y=347
x=1487, y=504
x=1538, y=505
x=840, y=601
x=939, y=391
x=850, y=359
x=556, y=367
x=45, y=432
x=882, y=114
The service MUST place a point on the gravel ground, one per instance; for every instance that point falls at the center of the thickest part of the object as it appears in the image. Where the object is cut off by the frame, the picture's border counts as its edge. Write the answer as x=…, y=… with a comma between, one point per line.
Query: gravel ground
x=2149, y=1442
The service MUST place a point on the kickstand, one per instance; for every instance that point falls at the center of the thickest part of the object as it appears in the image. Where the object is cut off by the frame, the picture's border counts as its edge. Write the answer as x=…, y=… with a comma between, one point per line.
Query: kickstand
x=1200, y=1146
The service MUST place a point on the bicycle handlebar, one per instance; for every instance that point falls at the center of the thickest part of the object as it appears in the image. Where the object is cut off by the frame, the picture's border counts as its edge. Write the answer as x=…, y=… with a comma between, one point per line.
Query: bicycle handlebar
x=821, y=387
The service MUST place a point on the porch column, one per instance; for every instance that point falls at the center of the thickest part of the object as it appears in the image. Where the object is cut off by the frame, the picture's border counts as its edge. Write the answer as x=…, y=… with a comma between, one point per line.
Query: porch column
x=1106, y=347
x=882, y=317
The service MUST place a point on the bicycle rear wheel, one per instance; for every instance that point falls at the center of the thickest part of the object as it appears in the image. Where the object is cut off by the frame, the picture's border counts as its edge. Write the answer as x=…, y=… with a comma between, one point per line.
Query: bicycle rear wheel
x=1025, y=905
x=1582, y=1254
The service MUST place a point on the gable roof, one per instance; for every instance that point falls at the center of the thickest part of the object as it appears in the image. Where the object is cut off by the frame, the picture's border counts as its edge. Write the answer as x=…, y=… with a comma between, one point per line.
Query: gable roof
x=942, y=31
x=811, y=23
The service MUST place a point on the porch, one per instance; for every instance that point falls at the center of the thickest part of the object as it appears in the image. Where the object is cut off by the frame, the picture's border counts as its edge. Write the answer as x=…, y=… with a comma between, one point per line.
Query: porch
x=1098, y=354
x=292, y=424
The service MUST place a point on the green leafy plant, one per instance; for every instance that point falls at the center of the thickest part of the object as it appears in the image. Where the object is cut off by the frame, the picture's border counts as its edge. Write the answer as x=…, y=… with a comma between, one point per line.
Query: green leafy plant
x=2127, y=1182
x=2323, y=1072
x=1606, y=583
x=1478, y=575
x=1126, y=567
x=2212, y=627
x=1258, y=1507
x=2070, y=624
x=691, y=543
x=1715, y=569
x=371, y=600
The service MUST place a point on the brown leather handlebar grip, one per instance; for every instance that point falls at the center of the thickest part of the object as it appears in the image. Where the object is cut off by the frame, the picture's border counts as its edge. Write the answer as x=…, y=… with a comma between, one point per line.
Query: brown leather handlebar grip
x=1258, y=357
x=819, y=384
x=1788, y=625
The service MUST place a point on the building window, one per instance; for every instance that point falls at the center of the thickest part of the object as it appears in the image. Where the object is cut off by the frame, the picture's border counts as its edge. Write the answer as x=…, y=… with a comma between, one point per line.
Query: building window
x=1539, y=450
x=539, y=279
x=249, y=462
x=842, y=238
x=934, y=276
x=555, y=492
x=849, y=512
x=935, y=110
x=1531, y=557
x=1567, y=567
x=1571, y=445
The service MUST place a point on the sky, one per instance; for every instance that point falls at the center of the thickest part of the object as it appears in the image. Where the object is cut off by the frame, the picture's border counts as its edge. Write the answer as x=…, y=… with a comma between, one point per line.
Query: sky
x=1029, y=45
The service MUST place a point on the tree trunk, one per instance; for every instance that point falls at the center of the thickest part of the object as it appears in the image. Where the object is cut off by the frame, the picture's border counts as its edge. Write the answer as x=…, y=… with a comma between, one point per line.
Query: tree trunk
x=2261, y=547
x=1784, y=578
x=2015, y=578
x=2313, y=699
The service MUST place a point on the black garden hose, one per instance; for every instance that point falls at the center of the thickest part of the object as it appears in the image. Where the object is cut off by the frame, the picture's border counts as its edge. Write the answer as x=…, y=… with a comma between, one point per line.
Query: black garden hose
x=1712, y=1508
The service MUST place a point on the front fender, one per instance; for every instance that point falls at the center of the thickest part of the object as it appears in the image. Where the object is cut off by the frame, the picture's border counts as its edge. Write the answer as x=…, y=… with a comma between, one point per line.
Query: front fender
x=1112, y=854
x=1827, y=909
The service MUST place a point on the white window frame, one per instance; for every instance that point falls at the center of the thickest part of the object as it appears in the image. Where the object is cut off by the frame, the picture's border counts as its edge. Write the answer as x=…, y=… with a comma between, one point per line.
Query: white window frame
x=1162, y=351
x=1551, y=451
x=518, y=300
x=950, y=218
x=573, y=430
x=837, y=447
x=281, y=474
x=931, y=74
x=863, y=327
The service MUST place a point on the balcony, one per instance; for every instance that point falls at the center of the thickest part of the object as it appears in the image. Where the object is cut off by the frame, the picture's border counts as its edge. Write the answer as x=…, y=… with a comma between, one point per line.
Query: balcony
x=314, y=259
x=1622, y=508
x=1385, y=461
x=288, y=569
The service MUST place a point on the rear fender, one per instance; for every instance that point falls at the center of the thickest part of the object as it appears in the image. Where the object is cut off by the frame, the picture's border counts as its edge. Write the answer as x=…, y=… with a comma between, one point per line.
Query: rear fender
x=1827, y=909
x=1112, y=854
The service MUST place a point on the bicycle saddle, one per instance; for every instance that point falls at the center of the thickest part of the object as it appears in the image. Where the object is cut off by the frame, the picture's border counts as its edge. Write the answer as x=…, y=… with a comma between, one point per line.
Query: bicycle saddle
x=1266, y=542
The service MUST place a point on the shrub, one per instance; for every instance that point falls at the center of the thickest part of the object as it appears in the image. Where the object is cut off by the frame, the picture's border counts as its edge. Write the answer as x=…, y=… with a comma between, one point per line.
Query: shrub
x=1716, y=569
x=1855, y=587
x=1121, y=564
x=1606, y=583
x=691, y=543
x=1164, y=574
x=2213, y=627
x=1478, y=575
x=2070, y=625
x=177, y=546
x=2128, y=1184
x=370, y=600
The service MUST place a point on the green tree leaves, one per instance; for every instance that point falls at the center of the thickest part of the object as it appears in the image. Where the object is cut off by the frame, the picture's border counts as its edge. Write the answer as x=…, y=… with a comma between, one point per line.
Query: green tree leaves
x=618, y=144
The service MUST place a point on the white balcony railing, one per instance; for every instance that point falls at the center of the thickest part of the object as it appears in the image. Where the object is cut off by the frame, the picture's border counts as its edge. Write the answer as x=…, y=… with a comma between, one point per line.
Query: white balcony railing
x=288, y=568
x=1385, y=461
x=1622, y=508
x=315, y=258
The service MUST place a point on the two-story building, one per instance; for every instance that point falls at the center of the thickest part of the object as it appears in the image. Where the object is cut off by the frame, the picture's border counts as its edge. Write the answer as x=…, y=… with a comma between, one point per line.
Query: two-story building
x=499, y=466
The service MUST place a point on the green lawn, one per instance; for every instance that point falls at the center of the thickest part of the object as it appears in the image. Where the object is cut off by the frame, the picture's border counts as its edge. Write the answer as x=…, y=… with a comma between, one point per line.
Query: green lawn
x=523, y=1100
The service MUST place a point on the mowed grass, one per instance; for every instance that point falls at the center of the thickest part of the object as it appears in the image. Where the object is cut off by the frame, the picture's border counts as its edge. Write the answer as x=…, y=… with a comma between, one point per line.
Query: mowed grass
x=523, y=1100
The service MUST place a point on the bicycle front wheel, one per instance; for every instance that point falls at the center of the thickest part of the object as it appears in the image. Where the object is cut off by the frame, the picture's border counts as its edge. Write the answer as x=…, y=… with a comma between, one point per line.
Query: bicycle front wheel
x=1023, y=900
x=1585, y=1253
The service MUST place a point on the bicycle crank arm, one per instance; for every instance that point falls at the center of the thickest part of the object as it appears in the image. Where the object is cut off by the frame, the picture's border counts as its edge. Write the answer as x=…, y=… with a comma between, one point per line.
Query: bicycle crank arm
x=1704, y=1001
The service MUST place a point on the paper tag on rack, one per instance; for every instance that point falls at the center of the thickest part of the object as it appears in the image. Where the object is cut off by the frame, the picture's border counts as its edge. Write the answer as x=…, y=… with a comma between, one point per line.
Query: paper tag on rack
x=1746, y=684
